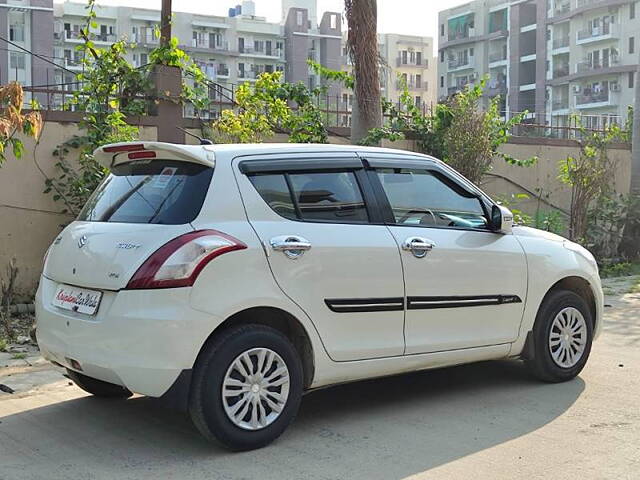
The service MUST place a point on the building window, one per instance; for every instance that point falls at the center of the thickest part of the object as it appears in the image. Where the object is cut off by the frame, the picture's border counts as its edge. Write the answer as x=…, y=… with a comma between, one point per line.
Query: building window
x=16, y=27
x=632, y=10
x=418, y=58
x=441, y=56
x=632, y=44
x=631, y=74
x=418, y=81
x=404, y=57
x=418, y=101
x=258, y=46
x=299, y=18
x=17, y=61
x=143, y=59
x=334, y=22
x=441, y=81
x=442, y=29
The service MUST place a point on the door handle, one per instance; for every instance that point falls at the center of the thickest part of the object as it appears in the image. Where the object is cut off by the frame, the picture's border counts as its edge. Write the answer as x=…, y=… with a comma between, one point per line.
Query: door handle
x=418, y=246
x=293, y=246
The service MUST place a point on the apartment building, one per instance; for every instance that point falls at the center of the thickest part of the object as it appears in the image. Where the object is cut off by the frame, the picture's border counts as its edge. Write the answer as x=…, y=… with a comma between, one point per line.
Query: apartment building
x=27, y=24
x=230, y=49
x=552, y=58
x=406, y=60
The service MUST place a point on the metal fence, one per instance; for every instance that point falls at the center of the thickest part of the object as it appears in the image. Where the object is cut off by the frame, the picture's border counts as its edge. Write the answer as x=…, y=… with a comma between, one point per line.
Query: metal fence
x=336, y=110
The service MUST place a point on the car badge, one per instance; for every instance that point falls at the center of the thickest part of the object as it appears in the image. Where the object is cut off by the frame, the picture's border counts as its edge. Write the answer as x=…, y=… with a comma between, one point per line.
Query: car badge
x=82, y=241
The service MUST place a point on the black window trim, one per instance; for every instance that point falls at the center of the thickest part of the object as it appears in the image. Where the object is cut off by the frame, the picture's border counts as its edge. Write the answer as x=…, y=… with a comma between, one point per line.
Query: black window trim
x=385, y=206
x=318, y=165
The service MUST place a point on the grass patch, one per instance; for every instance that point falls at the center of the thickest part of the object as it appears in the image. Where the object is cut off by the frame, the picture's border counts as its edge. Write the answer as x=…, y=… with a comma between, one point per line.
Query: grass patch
x=19, y=356
x=3, y=344
x=635, y=288
x=623, y=269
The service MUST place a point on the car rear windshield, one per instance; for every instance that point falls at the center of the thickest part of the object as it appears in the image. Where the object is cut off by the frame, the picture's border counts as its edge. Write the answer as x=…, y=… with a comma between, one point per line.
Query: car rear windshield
x=150, y=191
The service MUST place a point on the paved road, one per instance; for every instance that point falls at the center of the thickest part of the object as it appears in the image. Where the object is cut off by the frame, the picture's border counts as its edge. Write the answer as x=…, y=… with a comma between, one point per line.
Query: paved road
x=486, y=420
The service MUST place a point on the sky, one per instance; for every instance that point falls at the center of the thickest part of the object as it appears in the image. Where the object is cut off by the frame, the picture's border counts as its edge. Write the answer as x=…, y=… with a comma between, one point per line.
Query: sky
x=411, y=17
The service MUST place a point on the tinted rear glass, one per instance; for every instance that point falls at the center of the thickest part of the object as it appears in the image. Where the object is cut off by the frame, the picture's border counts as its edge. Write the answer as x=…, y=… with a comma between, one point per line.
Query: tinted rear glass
x=159, y=191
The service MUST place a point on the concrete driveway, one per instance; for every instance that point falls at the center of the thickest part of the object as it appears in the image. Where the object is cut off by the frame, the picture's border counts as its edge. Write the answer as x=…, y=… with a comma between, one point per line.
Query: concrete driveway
x=487, y=420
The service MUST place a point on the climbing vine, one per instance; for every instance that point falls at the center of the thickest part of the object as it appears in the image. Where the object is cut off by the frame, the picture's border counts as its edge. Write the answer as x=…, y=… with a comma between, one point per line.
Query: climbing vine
x=111, y=90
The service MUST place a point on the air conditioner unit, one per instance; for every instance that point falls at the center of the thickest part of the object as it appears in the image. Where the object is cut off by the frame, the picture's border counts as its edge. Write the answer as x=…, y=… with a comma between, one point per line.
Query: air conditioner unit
x=614, y=87
x=577, y=88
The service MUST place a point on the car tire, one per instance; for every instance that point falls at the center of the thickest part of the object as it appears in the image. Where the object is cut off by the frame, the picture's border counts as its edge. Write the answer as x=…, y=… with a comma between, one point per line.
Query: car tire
x=562, y=337
x=263, y=367
x=97, y=387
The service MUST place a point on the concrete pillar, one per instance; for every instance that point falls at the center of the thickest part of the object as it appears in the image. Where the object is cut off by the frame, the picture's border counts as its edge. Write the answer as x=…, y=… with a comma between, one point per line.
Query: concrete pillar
x=168, y=81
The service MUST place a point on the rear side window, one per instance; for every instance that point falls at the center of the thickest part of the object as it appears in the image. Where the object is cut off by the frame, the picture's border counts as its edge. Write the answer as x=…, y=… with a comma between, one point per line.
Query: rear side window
x=333, y=197
x=160, y=191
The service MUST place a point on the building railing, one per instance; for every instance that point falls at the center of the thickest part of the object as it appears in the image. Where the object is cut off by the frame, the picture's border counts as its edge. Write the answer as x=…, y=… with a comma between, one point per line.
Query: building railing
x=466, y=32
x=561, y=71
x=560, y=104
x=105, y=37
x=561, y=42
x=461, y=62
x=596, y=31
x=400, y=62
x=587, y=66
x=587, y=98
x=562, y=7
x=497, y=56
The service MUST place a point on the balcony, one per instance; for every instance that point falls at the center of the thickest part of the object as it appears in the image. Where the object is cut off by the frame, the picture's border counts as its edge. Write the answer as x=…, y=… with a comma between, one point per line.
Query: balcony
x=606, y=31
x=145, y=36
x=104, y=37
x=562, y=104
x=561, y=71
x=410, y=85
x=499, y=88
x=461, y=63
x=596, y=67
x=273, y=53
x=408, y=63
x=561, y=42
x=222, y=71
x=496, y=57
x=466, y=32
x=246, y=75
x=562, y=7
x=595, y=100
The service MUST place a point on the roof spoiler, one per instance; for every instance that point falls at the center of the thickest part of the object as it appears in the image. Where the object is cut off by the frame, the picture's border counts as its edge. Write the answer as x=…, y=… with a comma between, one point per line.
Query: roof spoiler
x=115, y=153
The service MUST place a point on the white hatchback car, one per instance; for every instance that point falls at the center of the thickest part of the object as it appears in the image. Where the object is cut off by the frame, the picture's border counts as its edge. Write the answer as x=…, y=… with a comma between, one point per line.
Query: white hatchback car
x=233, y=278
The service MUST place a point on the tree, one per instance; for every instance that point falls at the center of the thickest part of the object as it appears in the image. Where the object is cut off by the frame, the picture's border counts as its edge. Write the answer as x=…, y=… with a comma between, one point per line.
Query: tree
x=458, y=131
x=269, y=107
x=589, y=175
x=13, y=121
x=362, y=44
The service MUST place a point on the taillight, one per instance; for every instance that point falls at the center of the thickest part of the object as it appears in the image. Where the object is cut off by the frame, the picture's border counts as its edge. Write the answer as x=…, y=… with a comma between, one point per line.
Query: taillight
x=179, y=262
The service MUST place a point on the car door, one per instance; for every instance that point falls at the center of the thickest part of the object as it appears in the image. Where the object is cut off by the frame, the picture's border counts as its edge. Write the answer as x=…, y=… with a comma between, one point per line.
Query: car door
x=328, y=249
x=465, y=285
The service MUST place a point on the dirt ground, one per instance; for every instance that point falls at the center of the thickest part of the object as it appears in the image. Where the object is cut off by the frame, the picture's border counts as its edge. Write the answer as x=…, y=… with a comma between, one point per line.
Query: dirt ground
x=487, y=420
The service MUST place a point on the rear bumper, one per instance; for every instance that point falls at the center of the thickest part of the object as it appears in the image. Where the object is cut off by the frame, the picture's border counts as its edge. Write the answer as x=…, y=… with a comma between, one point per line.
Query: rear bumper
x=140, y=339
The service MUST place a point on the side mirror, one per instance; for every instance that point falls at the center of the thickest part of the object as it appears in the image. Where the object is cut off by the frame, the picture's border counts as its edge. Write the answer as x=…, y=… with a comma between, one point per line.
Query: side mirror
x=501, y=219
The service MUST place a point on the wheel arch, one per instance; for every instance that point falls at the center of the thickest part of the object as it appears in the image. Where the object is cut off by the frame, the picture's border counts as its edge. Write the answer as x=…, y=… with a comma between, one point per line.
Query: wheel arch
x=579, y=286
x=280, y=320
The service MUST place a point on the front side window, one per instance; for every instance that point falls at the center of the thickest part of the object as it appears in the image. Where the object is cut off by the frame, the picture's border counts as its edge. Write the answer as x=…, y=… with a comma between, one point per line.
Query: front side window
x=333, y=197
x=423, y=198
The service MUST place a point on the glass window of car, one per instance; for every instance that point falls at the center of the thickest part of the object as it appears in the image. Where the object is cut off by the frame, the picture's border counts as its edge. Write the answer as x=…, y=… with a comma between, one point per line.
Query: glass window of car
x=333, y=197
x=424, y=198
x=160, y=191
x=274, y=190
x=329, y=197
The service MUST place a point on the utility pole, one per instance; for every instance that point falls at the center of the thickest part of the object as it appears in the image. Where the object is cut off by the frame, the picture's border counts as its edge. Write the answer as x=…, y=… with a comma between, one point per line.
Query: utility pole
x=168, y=84
x=165, y=23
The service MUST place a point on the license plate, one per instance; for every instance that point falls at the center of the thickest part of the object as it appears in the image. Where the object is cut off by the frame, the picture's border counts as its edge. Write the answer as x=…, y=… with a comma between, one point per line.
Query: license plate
x=77, y=299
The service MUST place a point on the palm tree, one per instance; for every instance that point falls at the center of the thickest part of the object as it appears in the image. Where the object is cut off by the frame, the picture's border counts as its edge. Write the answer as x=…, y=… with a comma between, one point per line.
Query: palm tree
x=362, y=44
